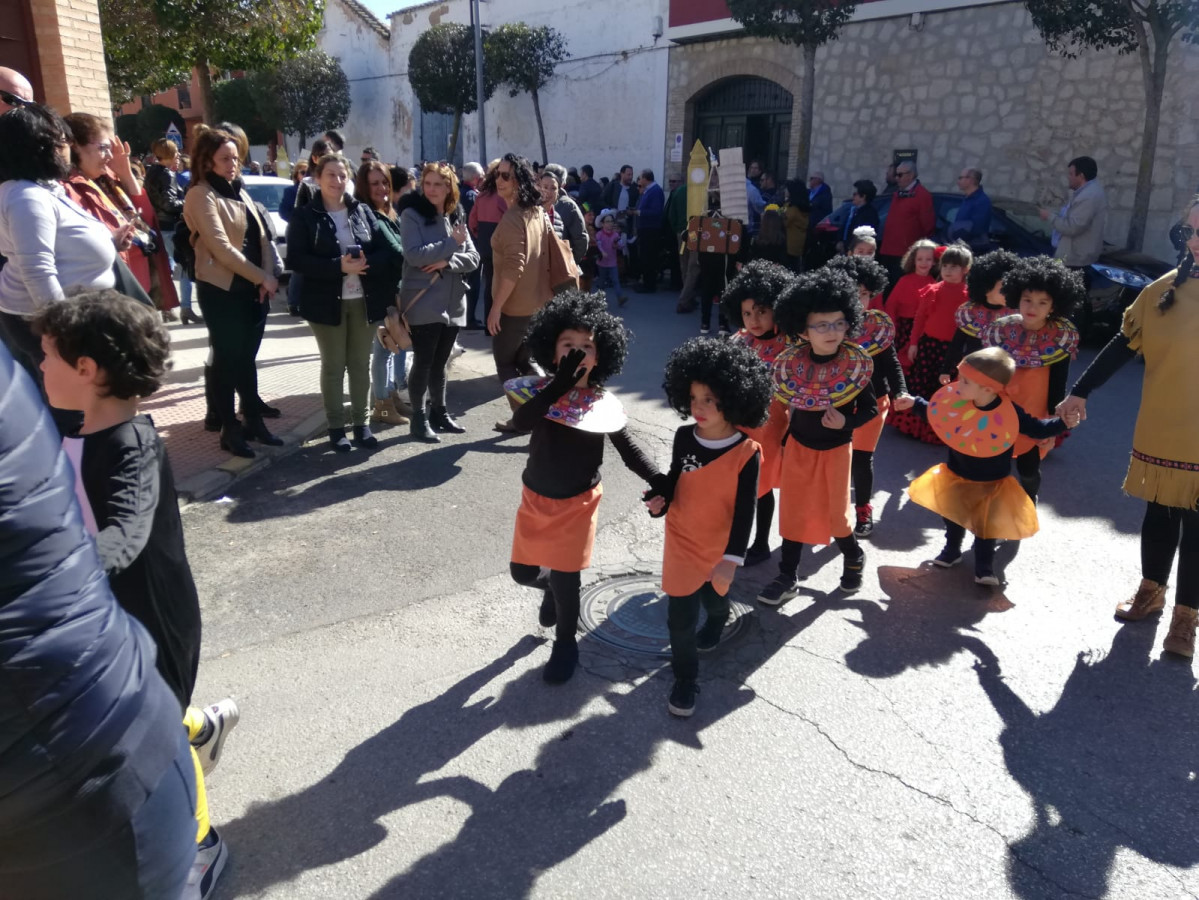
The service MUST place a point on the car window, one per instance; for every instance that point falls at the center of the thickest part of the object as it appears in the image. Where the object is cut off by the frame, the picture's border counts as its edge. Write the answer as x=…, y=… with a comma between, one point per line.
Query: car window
x=269, y=195
x=1027, y=216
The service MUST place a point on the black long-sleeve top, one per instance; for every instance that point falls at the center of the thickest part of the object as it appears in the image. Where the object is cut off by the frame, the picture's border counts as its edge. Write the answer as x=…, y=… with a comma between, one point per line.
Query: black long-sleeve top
x=993, y=468
x=1109, y=361
x=565, y=462
x=888, y=375
x=691, y=452
x=807, y=427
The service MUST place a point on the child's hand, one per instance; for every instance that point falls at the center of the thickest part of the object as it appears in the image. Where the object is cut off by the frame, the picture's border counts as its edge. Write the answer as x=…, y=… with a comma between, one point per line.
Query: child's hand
x=833, y=419
x=722, y=575
x=656, y=505
x=904, y=402
x=912, y=353
x=945, y=379
x=1047, y=444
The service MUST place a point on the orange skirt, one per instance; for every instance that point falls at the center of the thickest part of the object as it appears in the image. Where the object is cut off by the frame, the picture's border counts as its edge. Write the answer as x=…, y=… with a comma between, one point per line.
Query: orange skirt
x=866, y=437
x=557, y=534
x=770, y=439
x=814, y=503
x=987, y=509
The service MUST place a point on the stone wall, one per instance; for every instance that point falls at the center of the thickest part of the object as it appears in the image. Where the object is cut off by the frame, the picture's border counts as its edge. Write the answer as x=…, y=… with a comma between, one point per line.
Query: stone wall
x=71, y=56
x=973, y=87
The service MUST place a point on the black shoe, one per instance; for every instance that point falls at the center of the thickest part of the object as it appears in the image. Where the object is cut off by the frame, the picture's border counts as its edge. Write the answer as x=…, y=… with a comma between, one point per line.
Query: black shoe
x=267, y=412
x=709, y=636
x=949, y=557
x=337, y=437
x=234, y=441
x=364, y=439
x=419, y=429
x=782, y=588
x=756, y=555
x=293, y=310
x=212, y=422
x=187, y=317
x=851, y=574
x=441, y=422
x=547, y=615
x=865, y=526
x=986, y=576
x=682, y=697
x=563, y=659
x=256, y=430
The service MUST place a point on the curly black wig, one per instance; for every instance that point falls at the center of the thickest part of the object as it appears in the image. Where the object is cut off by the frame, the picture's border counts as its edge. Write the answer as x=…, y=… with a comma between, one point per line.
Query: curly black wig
x=760, y=281
x=1065, y=287
x=126, y=339
x=987, y=271
x=864, y=270
x=730, y=369
x=528, y=194
x=577, y=310
x=822, y=291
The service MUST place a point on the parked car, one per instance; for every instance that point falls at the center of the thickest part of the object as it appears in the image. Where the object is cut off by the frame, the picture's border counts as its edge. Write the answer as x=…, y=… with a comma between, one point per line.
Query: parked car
x=1016, y=225
x=268, y=190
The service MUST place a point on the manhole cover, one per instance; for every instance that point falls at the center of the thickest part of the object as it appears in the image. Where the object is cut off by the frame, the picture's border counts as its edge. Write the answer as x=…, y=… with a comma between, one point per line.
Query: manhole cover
x=629, y=612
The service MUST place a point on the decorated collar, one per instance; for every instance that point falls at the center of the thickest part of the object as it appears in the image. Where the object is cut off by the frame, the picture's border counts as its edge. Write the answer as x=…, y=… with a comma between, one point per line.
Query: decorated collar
x=878, y=332
x=587, y=409
x=767, y=348
x=964, y=427
x=1057, y=341
x=805, y=383
x=973, y=317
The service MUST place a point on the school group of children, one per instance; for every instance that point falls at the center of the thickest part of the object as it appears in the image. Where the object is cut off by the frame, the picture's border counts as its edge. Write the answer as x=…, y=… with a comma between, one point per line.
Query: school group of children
x=795, y=401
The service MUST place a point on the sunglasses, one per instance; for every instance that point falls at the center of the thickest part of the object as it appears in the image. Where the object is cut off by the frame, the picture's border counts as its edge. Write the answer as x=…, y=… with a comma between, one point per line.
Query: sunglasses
x=825, y=327
x=503, y=176
x=1186, y=232
x=13, y=100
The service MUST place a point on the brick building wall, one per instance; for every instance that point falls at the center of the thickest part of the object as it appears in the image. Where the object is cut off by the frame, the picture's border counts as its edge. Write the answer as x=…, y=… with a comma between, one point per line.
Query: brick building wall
x=71, y=55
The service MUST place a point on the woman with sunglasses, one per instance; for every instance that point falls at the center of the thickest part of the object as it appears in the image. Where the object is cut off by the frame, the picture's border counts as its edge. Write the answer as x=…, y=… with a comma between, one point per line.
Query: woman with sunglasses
x=1162, y=325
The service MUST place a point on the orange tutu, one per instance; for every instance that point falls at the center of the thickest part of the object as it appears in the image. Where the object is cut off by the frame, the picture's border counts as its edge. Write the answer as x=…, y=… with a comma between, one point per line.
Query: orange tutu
x=557, y=534
x=866, y=437
x=992, y=510
x=814, y=503
x=770, y=439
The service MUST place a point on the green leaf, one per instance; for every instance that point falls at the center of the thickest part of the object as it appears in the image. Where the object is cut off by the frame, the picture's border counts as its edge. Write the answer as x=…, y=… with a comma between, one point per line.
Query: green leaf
x=798, y=22
x=441, y=68
x=523, y=57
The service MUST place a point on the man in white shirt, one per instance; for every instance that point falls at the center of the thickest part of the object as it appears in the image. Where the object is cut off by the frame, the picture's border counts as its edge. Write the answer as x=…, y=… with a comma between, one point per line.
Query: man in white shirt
x=1082, y=222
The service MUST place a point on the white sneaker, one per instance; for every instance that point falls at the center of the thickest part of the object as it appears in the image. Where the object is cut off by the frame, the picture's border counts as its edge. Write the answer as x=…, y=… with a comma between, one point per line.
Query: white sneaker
x=222, y=718
x=211, y=856
x=458, y=350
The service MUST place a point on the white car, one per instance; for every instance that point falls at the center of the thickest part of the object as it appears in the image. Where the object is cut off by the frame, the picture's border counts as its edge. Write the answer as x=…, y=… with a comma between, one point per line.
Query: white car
x=268, y=190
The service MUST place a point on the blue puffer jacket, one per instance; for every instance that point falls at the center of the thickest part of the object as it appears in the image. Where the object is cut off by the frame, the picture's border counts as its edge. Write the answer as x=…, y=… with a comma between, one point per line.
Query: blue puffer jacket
x=87, y=726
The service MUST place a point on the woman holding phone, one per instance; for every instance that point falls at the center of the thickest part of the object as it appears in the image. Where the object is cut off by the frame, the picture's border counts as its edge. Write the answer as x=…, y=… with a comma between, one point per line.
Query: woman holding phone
x=329, y=241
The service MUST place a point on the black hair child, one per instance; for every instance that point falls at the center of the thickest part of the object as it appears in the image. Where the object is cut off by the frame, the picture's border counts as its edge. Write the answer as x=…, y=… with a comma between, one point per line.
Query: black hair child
x=1042, y=340
x=826, y=380
x=749, y=299
x=582, y=345
x=985, y=304
x=709, y=495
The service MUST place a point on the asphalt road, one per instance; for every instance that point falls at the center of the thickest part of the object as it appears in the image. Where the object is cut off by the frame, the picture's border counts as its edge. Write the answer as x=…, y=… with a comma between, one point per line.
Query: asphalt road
x=925, y=738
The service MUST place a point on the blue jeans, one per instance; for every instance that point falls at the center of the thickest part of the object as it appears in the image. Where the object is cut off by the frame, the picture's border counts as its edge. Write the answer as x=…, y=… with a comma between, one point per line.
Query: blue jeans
x=185, y=283
x=607, y=279
x=387, y=370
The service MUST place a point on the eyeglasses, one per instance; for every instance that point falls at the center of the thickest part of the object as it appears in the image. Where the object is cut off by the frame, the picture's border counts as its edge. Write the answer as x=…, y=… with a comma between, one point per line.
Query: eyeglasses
x=103, y=148
x=13, y=100
x=1186, y=232
x=503, y=176
x=825, y=327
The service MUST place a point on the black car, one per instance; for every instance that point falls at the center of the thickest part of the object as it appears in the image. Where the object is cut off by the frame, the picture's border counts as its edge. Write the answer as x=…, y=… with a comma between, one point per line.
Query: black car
x=1016, y=225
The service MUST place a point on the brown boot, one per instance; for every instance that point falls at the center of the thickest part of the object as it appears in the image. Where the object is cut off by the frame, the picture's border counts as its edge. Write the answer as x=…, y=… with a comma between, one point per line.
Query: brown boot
x=403, y=407
x=1149, y=599
x=1181, y=639
x=385, y=413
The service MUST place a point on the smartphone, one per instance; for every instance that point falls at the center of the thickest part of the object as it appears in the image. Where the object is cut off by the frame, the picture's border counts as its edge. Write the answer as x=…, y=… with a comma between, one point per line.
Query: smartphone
x=355, y=251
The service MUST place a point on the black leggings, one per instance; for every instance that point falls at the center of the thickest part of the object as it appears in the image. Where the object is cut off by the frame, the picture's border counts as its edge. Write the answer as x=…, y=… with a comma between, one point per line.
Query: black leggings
x=565, y=588
x=863, y=477
x=1028, y=468
x=765, y=520
x=984, y=548
x=431, y=348
x=793, y=551
x=1168, y=529
x=235, y=321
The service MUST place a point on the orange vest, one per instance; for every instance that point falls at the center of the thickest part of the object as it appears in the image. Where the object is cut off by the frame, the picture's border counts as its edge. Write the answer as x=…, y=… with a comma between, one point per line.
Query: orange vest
x=699, y=518
x=1029, y=389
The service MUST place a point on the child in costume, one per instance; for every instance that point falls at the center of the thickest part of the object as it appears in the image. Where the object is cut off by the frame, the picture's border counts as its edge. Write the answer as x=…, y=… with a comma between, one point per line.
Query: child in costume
x=1042, y=340
x=569, y=415
x=710, y=494
x=104, y=353
x=750, y=299
x=932, y=331
x=863, y=242
x=902, y=304
x=589, y=265
x=607, y=268
x=974, y=490
x=877, y=338
x=986, y=303
x=825, y=378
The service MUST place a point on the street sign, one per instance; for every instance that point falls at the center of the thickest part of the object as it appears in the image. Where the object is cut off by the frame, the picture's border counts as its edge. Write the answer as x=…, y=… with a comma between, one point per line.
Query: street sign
x=174, y=135
x=904, y=156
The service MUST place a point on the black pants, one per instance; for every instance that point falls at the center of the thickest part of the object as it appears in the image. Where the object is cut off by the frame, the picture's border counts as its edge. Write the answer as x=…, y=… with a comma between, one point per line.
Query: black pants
x=565, y=587
x=431, y=349
x=26, y=348
x=681, y=617
x=712, y=282
x=473, y=280
x=863, y=476
x=793, y=552
x=765, y=518
x=1028, y=468
x=487, y=268
x=1168, y=530
x=649, y=254
x=984, y=548
x=235, y=321
x=509, y=350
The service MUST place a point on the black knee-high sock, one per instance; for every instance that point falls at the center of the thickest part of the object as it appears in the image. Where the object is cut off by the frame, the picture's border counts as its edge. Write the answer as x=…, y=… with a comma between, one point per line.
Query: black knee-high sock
x=849, y=547
x=1028, y=467
x=565, y=586
x=863, y=477
x=529, y=576
x=765, y=520
x=789, y=559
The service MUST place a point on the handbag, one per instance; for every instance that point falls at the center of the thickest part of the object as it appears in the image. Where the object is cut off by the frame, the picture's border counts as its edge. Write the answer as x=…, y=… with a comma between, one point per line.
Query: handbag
x=564, y=272
x=714, y=234
x=395, y=334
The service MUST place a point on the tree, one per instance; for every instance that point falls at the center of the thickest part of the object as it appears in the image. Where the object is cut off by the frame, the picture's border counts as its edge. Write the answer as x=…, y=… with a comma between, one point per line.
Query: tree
x=441, y=68
x=248, y=102
x=802, y=23
x=310, y=94
x=1144, y=27
x=154, y=119
x=524, y=58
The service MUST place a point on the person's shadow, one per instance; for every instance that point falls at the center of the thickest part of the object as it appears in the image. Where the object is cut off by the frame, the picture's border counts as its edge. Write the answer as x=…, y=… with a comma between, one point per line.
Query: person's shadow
x=1111, y=766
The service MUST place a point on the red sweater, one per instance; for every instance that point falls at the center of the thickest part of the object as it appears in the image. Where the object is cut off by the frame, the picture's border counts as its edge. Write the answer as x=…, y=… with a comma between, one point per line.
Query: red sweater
x=904, y=301
x=908, y=220
x=938, y=304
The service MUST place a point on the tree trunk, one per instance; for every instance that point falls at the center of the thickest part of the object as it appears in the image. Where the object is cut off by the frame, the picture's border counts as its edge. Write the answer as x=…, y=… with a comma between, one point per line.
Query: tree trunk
x=1154, y=57
x=807, y=108
x=454, y=136
x=204, y=80
x=545, y=156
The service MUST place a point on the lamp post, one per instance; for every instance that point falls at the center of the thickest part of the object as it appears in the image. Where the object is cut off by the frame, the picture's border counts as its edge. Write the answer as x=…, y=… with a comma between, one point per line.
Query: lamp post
x=477, y=24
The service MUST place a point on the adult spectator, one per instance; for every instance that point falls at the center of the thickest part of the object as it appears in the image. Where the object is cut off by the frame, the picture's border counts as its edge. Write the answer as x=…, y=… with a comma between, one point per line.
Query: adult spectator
x=166, y=196
x=236, y=265
x=99, y=784
x=335, y=139
x=472, y=177
x=17, y=87
x=910, y=219
x=103, y=183
x=820, y=196
x=890, y=181
x=574, y=229
x=754, y=172
x=308, y=187
x=769, y=189
x=972, y=223
x=369, y=154
x=651, y=203
x=756, y=204
x=520, y=282
x=547, y=183
x=288, y=201
x=797, y=212
x=674, y=233
x=1082, y=222
x=590, y=191
x=484, y=216
x=438, y=255
x=621, y=195
x=51, y=243
x=862, y=212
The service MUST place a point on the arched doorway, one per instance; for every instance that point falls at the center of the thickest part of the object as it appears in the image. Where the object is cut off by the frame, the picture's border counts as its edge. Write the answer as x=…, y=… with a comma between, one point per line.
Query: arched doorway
x=748, y=112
